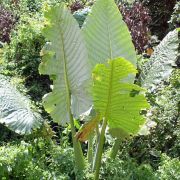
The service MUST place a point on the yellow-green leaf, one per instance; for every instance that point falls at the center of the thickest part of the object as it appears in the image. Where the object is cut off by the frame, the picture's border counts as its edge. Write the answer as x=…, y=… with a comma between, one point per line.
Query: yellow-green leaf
x=117, y=101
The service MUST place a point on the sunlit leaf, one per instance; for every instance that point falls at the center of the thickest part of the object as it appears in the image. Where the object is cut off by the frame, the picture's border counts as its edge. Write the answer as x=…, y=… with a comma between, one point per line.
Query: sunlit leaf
x=65, y=60
x=107, y=35
x=116, y=100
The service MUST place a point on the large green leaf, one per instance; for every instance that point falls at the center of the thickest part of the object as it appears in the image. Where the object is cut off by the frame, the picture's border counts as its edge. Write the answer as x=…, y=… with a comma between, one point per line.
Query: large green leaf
x=15, y=110
x=117, y=101
x=160, y=65
x=106, y=34
x=66, y=60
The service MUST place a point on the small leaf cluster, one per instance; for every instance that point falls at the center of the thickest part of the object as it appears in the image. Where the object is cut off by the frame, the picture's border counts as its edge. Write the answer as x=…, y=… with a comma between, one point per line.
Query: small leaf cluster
x=138, y=20
x=7, y=23
x=169, y=168
x=160, y=13
x=175, y=18
x=127, y=169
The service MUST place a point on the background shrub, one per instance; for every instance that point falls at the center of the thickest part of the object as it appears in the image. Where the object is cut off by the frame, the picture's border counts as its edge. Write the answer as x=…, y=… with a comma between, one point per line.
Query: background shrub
x=127, y=169
x=7, y=23
x=36, y=160
x=175, y=18
x=22, y=56
x=160, y=12
x=169, y=168
x=137, y=19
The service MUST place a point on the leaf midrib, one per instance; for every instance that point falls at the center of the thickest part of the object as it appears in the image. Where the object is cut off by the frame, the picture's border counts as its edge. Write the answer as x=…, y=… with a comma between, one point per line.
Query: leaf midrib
x=68, y=92
x=111, y=75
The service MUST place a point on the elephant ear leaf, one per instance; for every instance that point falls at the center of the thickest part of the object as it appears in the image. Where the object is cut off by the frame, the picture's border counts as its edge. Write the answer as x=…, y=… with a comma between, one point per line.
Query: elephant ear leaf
x=160, y=65
x=118, y=102
x=66, y=60
x=15, y=111
x=107, y=35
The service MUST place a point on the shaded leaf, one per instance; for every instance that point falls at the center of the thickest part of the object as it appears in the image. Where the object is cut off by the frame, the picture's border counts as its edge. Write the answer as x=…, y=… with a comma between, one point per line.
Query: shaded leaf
x=161, y=63
x=15, y=110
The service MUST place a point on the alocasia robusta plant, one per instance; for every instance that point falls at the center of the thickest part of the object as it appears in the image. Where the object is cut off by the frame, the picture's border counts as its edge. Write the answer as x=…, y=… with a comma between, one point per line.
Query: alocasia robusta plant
x=69, y=59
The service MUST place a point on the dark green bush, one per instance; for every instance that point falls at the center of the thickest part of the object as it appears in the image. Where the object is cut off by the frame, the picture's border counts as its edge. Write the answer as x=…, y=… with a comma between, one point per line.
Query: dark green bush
x=126, y=170
x=160, y=12
x=7, y=23
x=169, y=168
x=22, y=56
x=37, y=160
x=175, y=18
x=80, y=15
x=7, y=135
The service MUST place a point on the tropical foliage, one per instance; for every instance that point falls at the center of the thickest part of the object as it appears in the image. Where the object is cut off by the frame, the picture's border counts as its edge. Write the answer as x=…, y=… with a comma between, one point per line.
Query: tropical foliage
x=160, y=65
x=87, y=92
x=16, y=111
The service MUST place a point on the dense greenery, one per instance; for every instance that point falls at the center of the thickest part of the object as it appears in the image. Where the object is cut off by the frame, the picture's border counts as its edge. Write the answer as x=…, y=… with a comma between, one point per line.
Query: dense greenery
x=75, y=83
x=41, y=158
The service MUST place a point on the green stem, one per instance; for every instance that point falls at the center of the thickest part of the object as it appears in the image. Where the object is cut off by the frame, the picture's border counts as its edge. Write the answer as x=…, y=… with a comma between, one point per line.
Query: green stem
x=115, y=149
x=97, y=134
x=99, y=151
x=90, y=149
x=79, y=158
x=78, y=154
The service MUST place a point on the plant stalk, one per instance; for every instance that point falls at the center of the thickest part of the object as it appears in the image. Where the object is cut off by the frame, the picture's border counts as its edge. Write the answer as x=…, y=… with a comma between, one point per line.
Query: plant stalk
x=97, y=133
x=115, y=149
x=90, y=149
x=78, y=154
x=99, y=151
